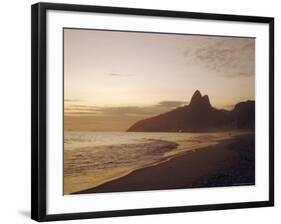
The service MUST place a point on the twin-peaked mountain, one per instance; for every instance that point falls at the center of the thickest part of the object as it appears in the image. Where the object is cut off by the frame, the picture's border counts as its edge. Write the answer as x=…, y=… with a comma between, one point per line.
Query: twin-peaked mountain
x=200, y=116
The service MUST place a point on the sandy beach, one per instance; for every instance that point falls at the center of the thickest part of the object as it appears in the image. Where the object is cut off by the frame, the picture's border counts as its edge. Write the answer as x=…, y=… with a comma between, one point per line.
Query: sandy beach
x=228, y=163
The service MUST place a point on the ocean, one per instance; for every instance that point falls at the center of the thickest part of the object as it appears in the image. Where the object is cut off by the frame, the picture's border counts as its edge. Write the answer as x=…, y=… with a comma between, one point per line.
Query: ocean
x=93, y=158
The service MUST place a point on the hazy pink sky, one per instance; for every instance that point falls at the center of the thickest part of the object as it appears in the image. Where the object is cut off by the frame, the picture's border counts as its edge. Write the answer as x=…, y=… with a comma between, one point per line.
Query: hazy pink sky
x=126, y=75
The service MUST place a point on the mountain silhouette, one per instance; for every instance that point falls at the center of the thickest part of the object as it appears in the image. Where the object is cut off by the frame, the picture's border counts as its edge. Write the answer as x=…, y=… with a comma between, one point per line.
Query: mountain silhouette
x=200, y=116
x=198, y=101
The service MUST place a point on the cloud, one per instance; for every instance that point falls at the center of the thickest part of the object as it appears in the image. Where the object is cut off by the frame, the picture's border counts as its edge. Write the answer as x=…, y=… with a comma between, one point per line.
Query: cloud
x=111, y=111
x=71, y=100
x=171, y=104
x=114, y=74
x=145, y=111
x=230, y=57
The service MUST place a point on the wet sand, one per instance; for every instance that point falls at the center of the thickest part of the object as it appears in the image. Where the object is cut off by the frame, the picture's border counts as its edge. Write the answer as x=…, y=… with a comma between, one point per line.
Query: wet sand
x=229, y=163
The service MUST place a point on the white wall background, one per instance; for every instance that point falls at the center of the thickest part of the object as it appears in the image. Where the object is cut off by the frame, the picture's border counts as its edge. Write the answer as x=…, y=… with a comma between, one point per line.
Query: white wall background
x=15, y=110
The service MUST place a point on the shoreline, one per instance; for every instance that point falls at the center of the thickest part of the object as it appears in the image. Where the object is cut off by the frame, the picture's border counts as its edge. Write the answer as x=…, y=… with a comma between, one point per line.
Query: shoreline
x=228, y=163
x=163, y=145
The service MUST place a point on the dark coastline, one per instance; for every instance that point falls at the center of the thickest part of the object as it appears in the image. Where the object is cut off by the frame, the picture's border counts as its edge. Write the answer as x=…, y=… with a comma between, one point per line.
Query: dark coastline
x=229, y=163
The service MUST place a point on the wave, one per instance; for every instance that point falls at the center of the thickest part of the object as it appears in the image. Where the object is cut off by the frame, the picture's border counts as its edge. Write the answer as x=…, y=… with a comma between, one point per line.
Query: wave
x=105, y=162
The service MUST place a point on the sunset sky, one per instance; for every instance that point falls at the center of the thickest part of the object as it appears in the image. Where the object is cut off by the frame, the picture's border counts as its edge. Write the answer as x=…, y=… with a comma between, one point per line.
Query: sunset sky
x=113, y=79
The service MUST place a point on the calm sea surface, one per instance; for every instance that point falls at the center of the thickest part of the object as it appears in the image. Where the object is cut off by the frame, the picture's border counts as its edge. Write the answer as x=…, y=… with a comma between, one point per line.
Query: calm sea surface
x=93, y=158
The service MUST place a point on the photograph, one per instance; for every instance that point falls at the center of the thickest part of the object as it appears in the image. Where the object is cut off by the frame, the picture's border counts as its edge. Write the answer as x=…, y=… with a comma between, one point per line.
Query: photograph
x=139, y=111
x=150, y=111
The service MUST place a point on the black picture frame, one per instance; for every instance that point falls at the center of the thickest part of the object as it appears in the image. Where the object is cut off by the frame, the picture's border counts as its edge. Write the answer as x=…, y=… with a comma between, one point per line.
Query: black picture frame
x=38, y=108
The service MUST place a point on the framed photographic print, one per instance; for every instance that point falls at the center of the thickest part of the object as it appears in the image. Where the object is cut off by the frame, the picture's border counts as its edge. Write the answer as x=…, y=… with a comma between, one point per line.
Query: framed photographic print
x=140, y=111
